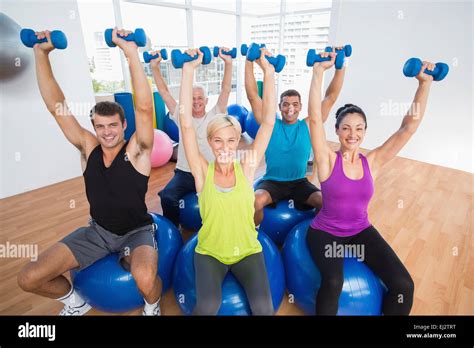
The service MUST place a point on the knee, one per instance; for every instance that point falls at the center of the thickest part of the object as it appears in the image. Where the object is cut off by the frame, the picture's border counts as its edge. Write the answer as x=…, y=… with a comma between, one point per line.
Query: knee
x=403, y=285
x=207, y=305
x=27, y=281
x=145, y=278
x=260, y=202
x=168, y=197
x=315, y=200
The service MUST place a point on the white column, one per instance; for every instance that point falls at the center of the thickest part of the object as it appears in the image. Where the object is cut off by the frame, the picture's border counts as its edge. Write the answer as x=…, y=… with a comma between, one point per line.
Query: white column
x=123, y=61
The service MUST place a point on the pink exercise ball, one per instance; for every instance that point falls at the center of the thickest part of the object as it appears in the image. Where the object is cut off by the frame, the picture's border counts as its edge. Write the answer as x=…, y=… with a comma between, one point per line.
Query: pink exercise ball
x=162, y=149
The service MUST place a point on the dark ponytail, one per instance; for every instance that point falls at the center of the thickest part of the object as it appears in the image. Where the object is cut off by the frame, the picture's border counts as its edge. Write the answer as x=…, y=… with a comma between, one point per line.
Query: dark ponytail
x=349, y=109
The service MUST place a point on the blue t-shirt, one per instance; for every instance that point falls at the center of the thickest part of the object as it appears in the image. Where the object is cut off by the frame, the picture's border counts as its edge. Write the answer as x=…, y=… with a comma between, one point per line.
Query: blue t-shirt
x=288, y=152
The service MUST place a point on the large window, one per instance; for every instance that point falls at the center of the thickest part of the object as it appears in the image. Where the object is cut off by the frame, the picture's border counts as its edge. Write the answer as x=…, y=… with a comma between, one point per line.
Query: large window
x=226, y=5
x=261, y=7
x=104, y=62
x=302, y=25
x=165, y=28
x=214, y=29
x=302, y=31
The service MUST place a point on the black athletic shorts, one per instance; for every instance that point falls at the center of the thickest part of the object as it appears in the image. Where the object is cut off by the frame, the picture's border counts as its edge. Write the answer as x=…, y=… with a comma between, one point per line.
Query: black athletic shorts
x=296, y=190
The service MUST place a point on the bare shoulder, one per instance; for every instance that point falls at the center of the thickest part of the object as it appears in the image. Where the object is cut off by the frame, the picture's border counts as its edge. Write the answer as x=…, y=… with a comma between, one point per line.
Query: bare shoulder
x=374, y=166
x=371, y=156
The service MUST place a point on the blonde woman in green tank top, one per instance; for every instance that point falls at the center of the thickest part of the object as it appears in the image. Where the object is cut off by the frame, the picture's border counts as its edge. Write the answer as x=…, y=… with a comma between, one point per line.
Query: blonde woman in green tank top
x=227, y=240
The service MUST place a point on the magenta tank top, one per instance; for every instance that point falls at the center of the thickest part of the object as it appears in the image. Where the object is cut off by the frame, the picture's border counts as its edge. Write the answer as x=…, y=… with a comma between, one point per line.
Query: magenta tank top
x=345, y=201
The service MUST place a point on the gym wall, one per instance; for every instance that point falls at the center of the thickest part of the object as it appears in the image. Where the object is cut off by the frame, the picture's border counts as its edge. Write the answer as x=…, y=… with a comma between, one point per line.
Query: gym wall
x=33, y=150
x=384, y=35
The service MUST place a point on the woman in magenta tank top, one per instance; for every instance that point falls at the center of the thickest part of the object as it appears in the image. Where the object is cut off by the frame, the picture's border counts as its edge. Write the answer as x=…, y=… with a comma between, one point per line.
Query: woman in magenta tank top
x=347, y=184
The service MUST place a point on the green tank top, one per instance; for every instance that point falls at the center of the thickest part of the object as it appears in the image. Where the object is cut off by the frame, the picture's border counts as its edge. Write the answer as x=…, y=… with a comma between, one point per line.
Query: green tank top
x=228, y=229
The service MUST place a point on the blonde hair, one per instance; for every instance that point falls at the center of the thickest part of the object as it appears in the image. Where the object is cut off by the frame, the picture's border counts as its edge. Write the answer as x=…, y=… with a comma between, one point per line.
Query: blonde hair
x=223, y=121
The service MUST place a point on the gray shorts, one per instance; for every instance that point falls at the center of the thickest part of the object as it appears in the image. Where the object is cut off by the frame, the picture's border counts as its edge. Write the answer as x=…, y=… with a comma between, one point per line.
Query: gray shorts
x=91, y=243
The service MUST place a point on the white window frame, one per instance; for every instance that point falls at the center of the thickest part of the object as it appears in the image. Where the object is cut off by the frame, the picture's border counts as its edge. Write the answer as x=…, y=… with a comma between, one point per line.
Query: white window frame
x=189, y=8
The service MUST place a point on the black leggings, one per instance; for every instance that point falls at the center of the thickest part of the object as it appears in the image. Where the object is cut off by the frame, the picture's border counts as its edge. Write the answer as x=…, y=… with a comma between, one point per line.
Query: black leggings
x=378, y=256
x=251, y=274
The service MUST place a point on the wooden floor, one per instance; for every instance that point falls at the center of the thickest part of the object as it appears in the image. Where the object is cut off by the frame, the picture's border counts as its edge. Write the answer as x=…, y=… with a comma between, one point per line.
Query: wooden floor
x=423, y=211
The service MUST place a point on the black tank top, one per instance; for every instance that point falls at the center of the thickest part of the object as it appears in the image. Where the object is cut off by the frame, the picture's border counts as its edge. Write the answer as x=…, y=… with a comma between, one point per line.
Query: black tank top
x=116, y=194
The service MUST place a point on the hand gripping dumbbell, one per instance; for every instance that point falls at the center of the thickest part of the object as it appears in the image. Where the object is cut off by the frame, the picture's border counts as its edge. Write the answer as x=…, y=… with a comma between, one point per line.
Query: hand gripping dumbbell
x=413, y=66
x=178, y=58
x=244, y=48
x=29, y=39
x=278, y=62
x=314, y=57
x=138, y=36
x=232, y=52
x=147, y=57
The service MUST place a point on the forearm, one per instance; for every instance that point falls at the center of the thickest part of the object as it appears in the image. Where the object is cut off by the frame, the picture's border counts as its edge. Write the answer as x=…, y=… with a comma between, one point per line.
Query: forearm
x=269, y=98
x=186, y=98
x=141, y=88
x=160, y=82
x=334, y=88
x=332, y=92
x=250, y=82
x=49, y=88
x=227, y=80
x=417, y=109
x=314, y=100
x=225, y=88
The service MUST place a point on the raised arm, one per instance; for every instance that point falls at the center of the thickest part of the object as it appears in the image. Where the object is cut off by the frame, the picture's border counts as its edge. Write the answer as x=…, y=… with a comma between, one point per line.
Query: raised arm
x=161, y=83
x=142, y=94
x=264, y=133
x=55, y=101
x=226, y=87
x=384, y=153
x=320, y=146
x=197, y=162
x=252, y=91
x=332, y=92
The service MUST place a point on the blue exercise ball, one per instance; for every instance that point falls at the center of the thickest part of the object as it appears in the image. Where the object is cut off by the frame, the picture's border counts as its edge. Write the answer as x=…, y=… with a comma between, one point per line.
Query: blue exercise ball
x=362, y=292
x=108, y=287
x=279, y=219
x=170, y=128
x=189, y=216
x=234, y=300
x=251, y=126
x=239, y=112
x=13, y=51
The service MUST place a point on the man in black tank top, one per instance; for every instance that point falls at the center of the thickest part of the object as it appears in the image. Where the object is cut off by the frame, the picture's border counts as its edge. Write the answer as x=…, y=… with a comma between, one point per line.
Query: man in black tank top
x=116, y=176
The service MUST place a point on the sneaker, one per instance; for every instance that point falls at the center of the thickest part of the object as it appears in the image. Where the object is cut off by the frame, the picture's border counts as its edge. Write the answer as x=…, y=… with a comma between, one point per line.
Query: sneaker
x=76, y=310
x=155, y=312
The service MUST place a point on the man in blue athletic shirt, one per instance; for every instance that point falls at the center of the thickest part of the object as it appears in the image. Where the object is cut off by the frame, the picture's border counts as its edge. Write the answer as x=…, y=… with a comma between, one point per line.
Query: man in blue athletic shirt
x=289, y=149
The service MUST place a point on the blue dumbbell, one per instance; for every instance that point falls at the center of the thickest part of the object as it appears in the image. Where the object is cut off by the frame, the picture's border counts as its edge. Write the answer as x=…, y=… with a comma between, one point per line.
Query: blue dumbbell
x=178, y=58
x=29, y=39
x=413, y=66
x=147, y=57
x=346, y=51
x=278, y=62
x=232, y=52
x=244, y=48
x=138, y=36
x=313, y=57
